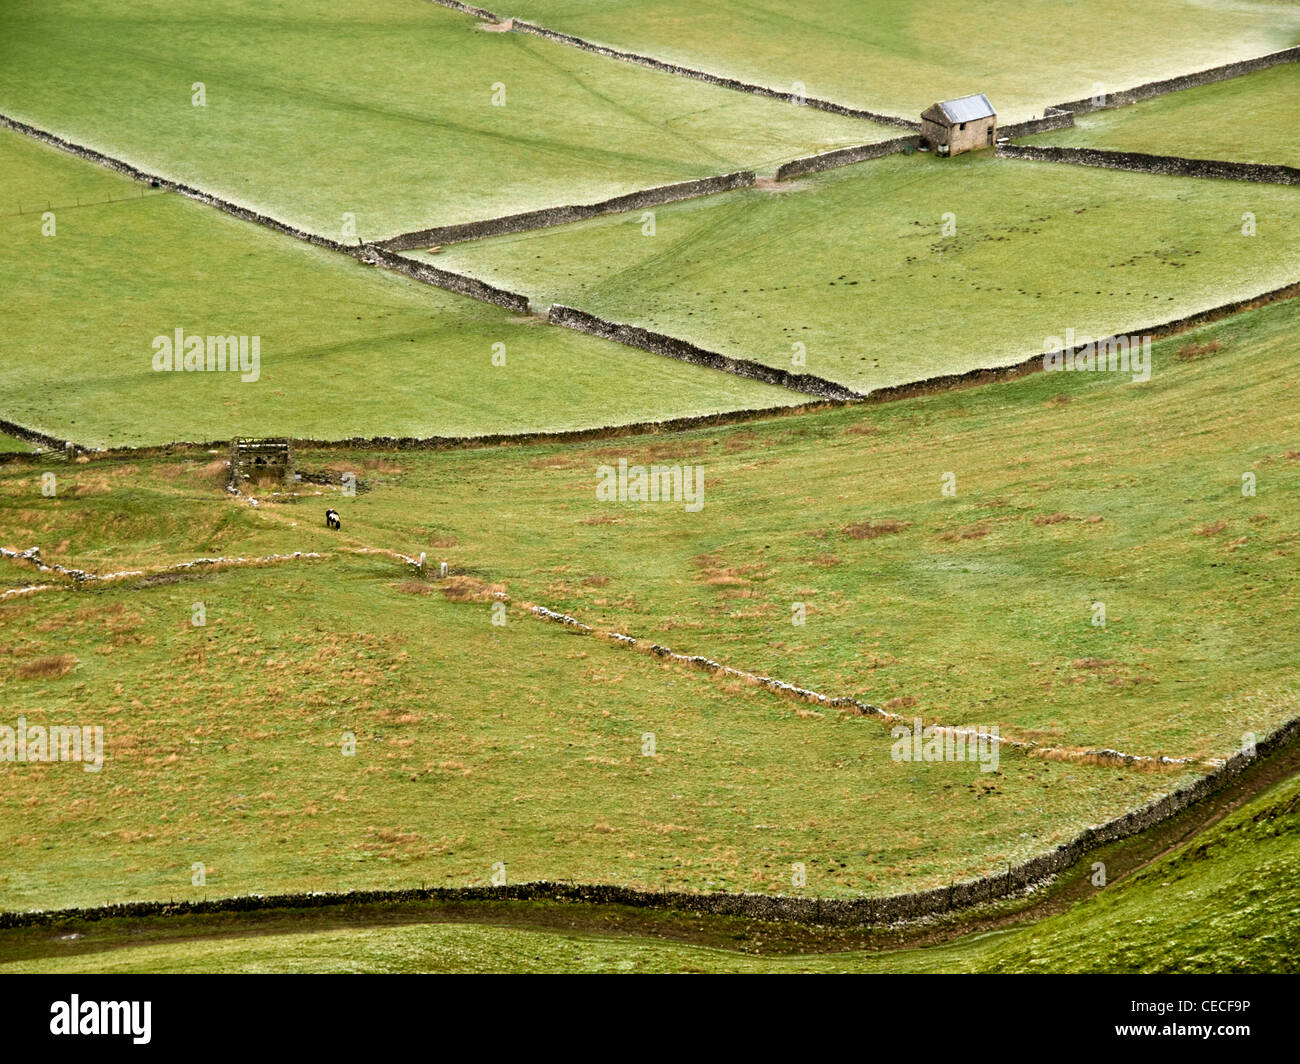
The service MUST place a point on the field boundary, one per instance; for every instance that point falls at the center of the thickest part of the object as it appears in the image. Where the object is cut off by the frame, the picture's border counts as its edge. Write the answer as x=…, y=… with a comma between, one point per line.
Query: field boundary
x=448, y=443
x=1034, y=364
x=828, y=160
x=677, y=69
x=366, y=253
x=838, y=912
x=547, y=217
x=886, y=394
x=1102, y=756
x=1140, y=162
x=684, y=350
x=1151, y=89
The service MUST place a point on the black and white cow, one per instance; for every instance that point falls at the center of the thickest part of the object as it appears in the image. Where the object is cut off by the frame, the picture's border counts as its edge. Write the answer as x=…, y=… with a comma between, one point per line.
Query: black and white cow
x=332, y=520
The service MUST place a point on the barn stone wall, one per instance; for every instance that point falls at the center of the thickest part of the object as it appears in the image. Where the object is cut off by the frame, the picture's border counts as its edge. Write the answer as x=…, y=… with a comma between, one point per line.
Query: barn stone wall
x=811, y=164
x=1052, y=120
x=1155, y=164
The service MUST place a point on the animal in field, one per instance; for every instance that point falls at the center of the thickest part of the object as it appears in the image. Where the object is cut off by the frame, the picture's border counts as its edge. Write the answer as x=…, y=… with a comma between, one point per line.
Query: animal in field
x=332, y=520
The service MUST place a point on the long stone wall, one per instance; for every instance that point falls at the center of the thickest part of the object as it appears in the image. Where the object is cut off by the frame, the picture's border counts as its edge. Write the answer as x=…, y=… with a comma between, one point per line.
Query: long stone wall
x=41, y=439
x=1123, y=97
x=673, y=348
x=551, y=216
x=675, y=68
x=1155, y=164
x=843, y=912
x=660, y=344
x=1052, y=120
x=365, y=252
x=811, y=164
x=453, y=282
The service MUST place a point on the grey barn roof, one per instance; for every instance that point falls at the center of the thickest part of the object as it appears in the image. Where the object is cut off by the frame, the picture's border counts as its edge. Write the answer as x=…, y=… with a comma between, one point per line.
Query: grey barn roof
x=968, y=108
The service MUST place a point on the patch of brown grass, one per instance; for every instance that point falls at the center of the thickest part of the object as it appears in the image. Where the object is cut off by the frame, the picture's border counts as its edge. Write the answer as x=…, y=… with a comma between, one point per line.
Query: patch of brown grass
x=52, y=666
x=715, y=572
x=902, y=702
x=469, y=589
x=978, y=531
x=874, y=529
x=862, y=429
x=1212, y=529
x=1051, y=519
x=1191, y=352
x=415, y=587
x=595, y=581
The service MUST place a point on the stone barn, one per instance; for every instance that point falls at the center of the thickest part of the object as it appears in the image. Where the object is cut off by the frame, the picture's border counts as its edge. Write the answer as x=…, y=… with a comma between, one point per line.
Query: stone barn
x=260, y=460
x=955, y=126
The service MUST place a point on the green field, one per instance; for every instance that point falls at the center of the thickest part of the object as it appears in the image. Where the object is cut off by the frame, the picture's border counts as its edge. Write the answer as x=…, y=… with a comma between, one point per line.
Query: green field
x=531, y=755
x=1071, y=488
x=1087, y=562
x=313, y=110
x=855, y=264
x=1226, y=902
x=1249, y=119
x=345, y=350
x=900, y=56
x=476, y=744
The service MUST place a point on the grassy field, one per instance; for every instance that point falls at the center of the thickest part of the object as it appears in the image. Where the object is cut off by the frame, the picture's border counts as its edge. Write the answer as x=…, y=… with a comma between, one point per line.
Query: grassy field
x=532, y=757
x=345, y=350
x=394, y=104
x=855, y=264
x=1207, y=122
x=1226, y=902
x=223, y=745
x=11, y=445
x=900, y=56
x=1071, y=489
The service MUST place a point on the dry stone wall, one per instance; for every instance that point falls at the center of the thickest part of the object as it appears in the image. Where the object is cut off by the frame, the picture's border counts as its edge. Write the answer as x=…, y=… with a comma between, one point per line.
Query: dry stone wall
x=660, y=344
x=368, y=253
x=1123, y=97
x=551, y=216
x=674, y=68
x=845, y=912
x=1155, y=164
x=811, y=164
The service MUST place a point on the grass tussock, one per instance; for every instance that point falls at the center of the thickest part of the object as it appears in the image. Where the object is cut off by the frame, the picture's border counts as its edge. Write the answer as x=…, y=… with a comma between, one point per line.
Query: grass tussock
x=1194, y=351
x=874, y=529
x=469, y=589
x=957, y=535
x=49, y=667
